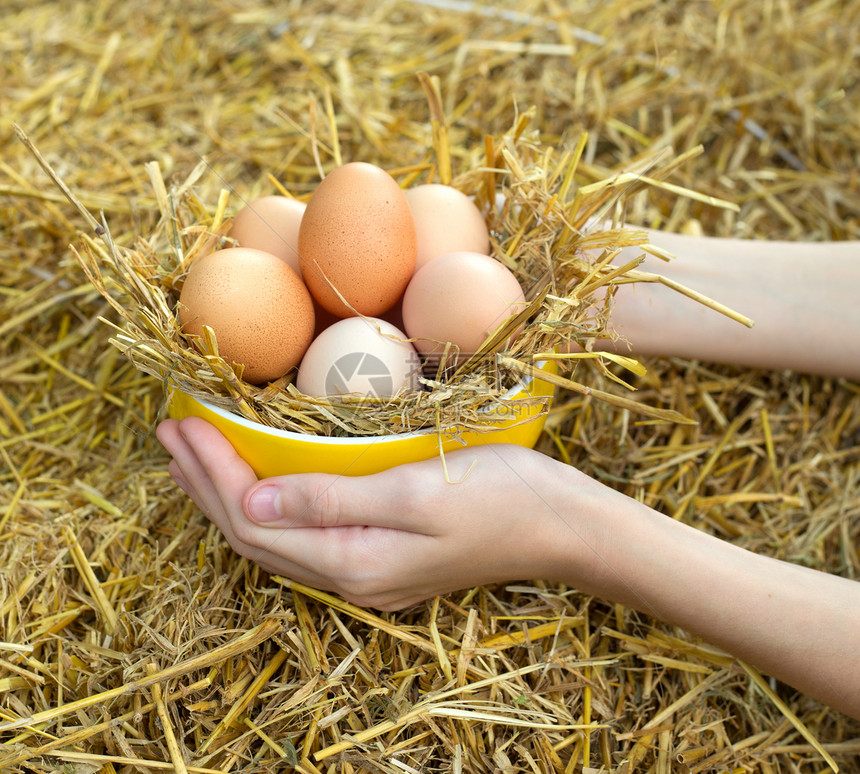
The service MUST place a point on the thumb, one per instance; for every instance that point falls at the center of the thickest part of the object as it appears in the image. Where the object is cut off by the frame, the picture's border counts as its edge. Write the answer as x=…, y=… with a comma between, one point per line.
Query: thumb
x=319, y=500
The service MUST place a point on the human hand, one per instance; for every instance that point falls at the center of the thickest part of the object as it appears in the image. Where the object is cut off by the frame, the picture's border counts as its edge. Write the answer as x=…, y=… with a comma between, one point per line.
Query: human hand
x=391, y=539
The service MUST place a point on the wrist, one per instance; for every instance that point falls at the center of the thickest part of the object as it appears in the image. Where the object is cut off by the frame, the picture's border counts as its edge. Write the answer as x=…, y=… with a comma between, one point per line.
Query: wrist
x=584, y=542
x=609, y=545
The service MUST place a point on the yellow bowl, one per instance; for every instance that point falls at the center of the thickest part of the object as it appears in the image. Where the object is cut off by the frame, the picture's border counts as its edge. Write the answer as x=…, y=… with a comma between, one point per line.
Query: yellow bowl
x=272, y=452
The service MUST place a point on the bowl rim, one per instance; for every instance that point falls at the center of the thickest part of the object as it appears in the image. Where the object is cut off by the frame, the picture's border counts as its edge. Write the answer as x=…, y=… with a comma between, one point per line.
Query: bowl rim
x=249, y=424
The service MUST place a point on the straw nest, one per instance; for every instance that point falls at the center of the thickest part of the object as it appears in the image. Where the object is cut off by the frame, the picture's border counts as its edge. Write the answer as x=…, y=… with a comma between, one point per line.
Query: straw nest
x=132, y=639
x=559, y=239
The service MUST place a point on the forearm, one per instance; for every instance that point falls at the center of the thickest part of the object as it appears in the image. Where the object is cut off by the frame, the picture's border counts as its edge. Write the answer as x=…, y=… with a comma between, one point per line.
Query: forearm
x=796, y=624
x=802, y=298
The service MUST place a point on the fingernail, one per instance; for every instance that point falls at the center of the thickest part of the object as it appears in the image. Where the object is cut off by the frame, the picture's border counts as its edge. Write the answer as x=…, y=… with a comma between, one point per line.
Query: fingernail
x=263, y=504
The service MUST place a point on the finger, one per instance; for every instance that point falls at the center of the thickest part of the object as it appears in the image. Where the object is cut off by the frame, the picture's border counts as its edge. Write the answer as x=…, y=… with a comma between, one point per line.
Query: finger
x=190, y=475
x=217, y=459
x=212, y=467
x=269, y=561
x=186, y=467
x=179, y=479
x=343, y=559
x=395, y=499
x=214, y=513
x=358, y=562
x=176, y=474
x=222, y=477
x=167, y=433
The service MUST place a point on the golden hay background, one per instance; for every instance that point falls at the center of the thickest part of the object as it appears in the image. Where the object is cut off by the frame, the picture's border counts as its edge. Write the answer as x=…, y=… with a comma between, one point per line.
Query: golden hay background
x=131, y=630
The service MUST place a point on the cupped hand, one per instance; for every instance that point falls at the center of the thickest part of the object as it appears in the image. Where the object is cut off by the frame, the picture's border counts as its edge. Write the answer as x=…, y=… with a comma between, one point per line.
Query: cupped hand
x=391, y=539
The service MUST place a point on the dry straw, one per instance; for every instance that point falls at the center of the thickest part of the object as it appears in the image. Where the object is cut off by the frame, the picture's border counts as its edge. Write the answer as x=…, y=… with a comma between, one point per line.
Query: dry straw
x=560, y=239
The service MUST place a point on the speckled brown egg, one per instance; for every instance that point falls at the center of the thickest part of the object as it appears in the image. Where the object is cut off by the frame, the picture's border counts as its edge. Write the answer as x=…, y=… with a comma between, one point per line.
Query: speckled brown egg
x=271, y=224
x=258, y=307
x=357, y=236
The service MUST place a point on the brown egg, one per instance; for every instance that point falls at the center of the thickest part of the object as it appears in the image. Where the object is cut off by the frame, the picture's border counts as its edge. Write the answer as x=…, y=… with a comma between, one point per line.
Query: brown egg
x=261, y=312
x=460, y=298
x=446, y=220
x=357, y=235
x=271, y=224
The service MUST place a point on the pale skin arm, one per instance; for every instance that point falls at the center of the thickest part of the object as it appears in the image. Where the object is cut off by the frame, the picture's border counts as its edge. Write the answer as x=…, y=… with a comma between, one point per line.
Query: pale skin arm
x=395, y=538
x=804, y=300
x=391, y=540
